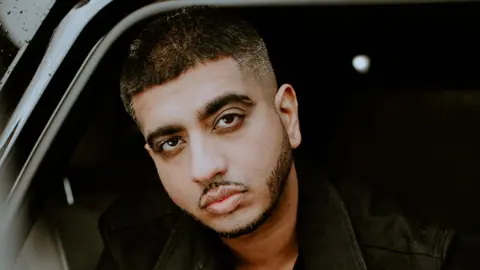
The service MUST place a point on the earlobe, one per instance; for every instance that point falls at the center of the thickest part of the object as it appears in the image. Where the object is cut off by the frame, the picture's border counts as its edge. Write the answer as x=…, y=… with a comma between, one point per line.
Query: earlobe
x=286, y=105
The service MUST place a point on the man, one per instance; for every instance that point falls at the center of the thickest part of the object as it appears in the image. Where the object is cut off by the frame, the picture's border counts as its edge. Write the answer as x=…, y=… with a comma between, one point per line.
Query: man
x=221, y=132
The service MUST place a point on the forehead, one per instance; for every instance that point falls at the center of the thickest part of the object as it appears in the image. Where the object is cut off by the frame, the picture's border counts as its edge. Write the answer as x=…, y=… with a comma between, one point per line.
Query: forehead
x=178, y=101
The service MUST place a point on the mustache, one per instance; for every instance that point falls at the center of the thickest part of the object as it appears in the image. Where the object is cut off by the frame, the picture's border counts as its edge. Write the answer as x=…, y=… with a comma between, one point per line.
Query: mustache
x=215, y=184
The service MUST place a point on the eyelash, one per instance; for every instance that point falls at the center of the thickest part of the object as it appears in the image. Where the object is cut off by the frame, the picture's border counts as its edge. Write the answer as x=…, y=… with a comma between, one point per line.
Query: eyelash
x=159, y=146
x=241, y=117
x=238, y=121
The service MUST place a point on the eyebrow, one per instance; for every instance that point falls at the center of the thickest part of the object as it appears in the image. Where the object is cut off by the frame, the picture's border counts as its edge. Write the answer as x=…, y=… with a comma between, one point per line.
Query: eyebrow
x=219, y=102
x=211, y=108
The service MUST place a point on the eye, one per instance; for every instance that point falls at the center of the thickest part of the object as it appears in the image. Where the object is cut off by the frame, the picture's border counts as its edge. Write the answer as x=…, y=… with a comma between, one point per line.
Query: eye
x=170, y=144
x=228, y=120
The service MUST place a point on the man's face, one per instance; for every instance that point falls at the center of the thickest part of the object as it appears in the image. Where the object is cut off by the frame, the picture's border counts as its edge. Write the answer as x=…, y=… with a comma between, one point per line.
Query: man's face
x=221, y=145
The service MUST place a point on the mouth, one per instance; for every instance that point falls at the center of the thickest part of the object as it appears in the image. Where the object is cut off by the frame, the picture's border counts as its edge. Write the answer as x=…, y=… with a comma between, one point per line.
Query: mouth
x=222, y=200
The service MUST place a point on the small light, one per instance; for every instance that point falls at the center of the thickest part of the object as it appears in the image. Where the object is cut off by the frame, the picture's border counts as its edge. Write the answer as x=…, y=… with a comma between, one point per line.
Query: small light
x=361, y=63
x=68, y=191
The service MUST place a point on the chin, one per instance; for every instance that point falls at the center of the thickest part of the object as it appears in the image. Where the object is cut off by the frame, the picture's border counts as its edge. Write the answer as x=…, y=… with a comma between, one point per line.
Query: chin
x=239, y=223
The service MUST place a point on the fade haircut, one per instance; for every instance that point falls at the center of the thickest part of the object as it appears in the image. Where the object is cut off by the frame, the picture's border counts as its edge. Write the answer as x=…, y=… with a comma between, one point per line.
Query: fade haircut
x=182, y=39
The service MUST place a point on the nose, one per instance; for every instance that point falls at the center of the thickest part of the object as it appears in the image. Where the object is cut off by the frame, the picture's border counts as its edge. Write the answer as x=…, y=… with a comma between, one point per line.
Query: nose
x=207, y=161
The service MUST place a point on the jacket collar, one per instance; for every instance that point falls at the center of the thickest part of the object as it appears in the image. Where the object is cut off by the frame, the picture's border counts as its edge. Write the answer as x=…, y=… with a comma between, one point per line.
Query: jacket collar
x=326, y=237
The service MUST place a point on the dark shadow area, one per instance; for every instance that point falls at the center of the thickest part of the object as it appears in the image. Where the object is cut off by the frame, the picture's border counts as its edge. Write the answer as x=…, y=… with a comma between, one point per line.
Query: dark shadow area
x=408, y=126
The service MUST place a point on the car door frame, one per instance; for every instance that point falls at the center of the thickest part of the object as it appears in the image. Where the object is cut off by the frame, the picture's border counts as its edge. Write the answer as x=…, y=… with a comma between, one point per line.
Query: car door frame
x=28, y=144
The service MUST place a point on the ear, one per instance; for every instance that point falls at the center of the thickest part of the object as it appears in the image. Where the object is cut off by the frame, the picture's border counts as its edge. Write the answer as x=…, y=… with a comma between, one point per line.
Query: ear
x=286, y=105
x=149, y=149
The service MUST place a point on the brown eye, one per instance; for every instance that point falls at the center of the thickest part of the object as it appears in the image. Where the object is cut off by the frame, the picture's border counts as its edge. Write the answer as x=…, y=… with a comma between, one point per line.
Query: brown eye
x=228, y=120
x=170, y=144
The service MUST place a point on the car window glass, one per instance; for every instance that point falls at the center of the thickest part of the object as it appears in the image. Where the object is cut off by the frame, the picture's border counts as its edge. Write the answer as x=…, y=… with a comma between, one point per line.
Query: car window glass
x=19, y=20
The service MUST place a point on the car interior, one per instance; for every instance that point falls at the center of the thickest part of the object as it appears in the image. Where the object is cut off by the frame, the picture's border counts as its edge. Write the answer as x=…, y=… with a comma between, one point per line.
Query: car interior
x=407, y=124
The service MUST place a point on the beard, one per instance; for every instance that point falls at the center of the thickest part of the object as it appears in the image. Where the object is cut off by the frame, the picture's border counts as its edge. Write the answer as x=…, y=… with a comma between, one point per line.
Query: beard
x=276, y=186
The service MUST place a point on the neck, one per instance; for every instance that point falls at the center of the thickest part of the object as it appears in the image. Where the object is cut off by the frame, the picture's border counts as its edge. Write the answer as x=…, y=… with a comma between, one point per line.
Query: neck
x=274, y=244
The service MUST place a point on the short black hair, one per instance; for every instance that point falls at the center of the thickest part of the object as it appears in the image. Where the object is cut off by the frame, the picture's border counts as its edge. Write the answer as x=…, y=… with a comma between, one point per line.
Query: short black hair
x=179, y=40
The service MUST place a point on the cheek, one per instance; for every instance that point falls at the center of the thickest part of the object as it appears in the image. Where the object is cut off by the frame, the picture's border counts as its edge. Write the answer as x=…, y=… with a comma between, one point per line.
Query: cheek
x=255, y=153
x=181, y=190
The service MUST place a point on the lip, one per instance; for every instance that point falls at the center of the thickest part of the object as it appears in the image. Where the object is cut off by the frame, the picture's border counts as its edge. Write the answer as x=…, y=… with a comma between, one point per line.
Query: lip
x=223, y=199
x=227, y=205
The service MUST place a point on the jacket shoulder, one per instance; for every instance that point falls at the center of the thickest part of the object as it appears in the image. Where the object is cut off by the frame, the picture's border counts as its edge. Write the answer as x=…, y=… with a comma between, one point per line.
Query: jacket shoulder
x=387, y=236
